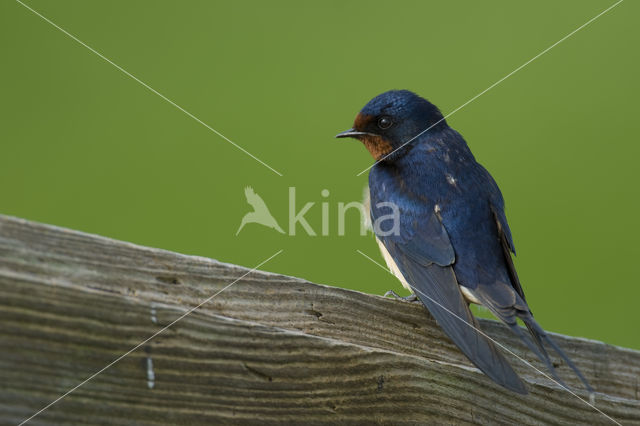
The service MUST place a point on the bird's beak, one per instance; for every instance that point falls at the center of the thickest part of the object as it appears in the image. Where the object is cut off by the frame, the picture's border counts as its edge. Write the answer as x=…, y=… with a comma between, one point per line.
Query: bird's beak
x=351, y=133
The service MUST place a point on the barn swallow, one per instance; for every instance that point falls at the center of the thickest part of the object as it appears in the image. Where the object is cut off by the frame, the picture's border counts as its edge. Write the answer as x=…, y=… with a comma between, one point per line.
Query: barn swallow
x=453, y=245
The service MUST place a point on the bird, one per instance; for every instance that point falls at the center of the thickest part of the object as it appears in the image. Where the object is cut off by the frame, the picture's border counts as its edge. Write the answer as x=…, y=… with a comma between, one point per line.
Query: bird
x=260, y=213
x=439, y=220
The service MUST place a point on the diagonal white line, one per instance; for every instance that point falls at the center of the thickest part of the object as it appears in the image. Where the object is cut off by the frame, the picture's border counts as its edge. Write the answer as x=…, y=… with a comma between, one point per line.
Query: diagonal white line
x=128, y=74
x=496, y=83
x=146, y=340
x=377, y=263
x=501, y=345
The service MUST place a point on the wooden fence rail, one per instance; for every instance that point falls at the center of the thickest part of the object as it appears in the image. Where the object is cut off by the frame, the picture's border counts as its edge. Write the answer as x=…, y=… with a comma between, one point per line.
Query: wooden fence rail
x=269, y=349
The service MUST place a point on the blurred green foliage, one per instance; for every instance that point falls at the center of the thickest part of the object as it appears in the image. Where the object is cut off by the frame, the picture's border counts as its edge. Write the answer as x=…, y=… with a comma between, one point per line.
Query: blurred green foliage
x=86, y=147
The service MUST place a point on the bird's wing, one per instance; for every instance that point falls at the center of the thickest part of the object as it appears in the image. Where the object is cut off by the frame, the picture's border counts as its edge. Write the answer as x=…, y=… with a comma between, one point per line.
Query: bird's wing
x=429, y=243
x=504, y=234
x=497, y=206
x=437, y=288
x=424, y=255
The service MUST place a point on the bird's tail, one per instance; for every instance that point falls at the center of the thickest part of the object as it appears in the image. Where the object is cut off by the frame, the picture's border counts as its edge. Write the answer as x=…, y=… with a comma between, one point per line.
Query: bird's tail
x=540, y=336
x=536, y=337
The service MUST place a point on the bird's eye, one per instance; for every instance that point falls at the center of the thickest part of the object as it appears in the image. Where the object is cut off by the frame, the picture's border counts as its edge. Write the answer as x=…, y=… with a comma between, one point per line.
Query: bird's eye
x=384, y=122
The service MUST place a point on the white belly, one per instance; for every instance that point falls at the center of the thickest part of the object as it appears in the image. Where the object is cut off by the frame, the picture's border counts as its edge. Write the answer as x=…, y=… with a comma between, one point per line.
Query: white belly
x=392, y=265
x=471, y=298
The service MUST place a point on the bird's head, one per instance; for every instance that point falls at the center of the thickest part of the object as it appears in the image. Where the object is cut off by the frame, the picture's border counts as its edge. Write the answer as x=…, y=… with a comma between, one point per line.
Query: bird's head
x=390, y=120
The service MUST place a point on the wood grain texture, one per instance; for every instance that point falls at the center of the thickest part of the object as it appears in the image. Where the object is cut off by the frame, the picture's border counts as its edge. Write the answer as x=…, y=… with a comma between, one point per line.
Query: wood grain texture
x=270, y=349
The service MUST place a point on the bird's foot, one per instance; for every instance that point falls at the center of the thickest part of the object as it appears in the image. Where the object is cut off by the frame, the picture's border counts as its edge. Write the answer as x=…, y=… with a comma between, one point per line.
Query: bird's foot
x=412, y=298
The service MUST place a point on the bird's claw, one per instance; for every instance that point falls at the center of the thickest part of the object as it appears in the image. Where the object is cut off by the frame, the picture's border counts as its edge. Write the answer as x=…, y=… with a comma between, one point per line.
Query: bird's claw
x=412, y=298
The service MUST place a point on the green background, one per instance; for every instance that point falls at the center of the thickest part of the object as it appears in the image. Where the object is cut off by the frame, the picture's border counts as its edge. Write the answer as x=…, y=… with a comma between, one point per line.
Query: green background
x=86, y=147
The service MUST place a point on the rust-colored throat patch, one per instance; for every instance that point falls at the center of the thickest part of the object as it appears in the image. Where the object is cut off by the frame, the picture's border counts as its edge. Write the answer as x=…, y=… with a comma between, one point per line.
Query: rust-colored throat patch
x=377, y=146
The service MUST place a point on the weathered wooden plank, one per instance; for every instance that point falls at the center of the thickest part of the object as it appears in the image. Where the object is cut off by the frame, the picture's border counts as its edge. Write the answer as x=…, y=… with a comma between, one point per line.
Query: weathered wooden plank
x=269, y=349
